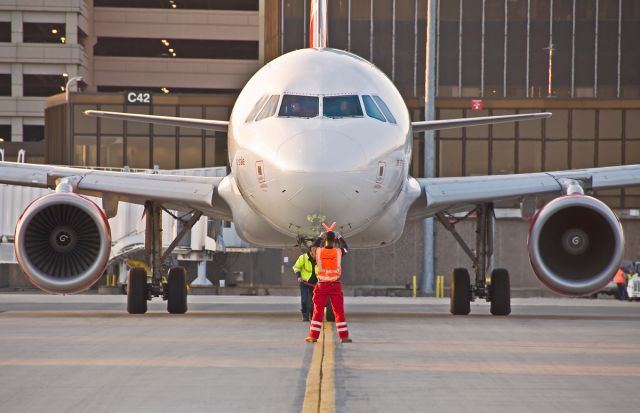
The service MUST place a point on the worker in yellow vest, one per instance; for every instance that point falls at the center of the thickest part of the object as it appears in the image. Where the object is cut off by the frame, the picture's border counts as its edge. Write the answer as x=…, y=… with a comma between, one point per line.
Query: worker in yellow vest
x=329, y=273
x=305, y=271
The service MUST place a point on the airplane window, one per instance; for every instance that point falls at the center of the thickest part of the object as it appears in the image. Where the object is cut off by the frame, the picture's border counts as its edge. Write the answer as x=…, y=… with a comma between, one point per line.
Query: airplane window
x=270, y=108
x=341, y=106
x=372, y=109
x=298, y=106
x=385, y=109
x=256, y=108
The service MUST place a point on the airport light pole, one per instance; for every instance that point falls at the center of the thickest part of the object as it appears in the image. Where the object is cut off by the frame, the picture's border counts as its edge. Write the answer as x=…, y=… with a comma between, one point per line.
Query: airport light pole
x=428, y=258
x=71, y=81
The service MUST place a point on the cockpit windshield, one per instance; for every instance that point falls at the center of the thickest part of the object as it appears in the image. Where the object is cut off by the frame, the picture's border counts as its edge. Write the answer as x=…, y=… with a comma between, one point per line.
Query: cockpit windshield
x=345, y=106
x=299, y=106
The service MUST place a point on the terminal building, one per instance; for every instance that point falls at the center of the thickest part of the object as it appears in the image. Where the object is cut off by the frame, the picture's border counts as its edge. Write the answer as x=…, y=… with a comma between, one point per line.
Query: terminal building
x=575, y=58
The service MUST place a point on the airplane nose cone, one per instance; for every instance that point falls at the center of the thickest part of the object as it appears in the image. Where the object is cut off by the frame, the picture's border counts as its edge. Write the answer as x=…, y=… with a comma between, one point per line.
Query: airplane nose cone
x=317, y=151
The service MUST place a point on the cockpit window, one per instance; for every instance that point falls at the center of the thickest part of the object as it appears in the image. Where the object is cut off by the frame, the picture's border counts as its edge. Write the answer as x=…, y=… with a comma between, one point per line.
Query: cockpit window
x=256, y=108
x=372, y=109
x=270, y=108
x=298, y=106
x=385, y=109
x=341, y=106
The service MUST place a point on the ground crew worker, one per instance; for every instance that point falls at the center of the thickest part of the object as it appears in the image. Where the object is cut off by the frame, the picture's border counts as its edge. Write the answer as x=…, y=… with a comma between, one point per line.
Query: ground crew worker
x=329, y=273
x=620, y=281
x=305, y=270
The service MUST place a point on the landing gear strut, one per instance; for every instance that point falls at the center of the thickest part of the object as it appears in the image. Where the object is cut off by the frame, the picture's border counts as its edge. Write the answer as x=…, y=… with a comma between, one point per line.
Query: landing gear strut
x=173, y=289
x=495, y=289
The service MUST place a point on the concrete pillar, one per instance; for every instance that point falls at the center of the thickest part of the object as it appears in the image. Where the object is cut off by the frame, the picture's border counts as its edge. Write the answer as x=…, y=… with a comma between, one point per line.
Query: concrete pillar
x=71, y=22
x=16, y=129
x=16, y=27
x=16, y=79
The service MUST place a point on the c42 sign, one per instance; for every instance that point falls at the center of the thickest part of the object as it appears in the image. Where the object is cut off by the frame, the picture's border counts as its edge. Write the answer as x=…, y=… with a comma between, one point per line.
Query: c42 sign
x=138, y=98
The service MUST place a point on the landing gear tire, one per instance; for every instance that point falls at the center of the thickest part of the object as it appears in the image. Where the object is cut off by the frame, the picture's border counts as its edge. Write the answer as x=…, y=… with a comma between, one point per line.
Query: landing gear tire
x=177, y=291
x=330, y=315
x=500, y=292
x=460, y=292
x=137, y=291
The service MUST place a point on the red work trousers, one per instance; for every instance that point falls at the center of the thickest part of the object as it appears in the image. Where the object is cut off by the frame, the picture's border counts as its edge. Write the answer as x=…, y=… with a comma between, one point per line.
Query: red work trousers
x=320, y=293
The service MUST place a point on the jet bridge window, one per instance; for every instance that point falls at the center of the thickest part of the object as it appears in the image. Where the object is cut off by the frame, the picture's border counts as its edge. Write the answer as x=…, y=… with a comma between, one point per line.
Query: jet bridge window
x=269, y=108
x=385, y=109
x=346, y=106
x=298, y=106
x=372, y=109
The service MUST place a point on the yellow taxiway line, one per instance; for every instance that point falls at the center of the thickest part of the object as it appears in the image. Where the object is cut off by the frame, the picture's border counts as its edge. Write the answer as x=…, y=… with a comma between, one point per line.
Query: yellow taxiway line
x=320, y=393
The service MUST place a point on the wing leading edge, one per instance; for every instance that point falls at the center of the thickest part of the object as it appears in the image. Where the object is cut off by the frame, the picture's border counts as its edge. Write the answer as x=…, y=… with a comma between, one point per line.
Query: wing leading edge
x=439, y=194
x=465, y=122
x=173, y=191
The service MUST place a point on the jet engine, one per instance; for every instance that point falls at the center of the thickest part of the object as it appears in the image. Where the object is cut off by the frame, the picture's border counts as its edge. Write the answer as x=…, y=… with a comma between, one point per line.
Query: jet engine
x=62, y=242
x=575, y=245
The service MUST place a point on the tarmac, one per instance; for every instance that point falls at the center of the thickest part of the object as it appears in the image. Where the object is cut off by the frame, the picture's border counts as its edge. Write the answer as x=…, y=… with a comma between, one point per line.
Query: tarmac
x=246, y=353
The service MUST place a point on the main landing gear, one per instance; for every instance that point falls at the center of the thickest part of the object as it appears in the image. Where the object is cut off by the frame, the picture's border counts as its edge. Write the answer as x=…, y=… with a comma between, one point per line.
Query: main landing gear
x=173, y=289
x=495, y=289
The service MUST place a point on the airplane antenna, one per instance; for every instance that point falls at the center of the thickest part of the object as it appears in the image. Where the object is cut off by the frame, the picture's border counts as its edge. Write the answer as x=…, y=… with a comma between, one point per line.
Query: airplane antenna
x=318, y=24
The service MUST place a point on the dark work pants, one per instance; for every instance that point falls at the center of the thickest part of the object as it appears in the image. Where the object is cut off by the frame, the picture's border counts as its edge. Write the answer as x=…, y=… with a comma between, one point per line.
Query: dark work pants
x=306, y=293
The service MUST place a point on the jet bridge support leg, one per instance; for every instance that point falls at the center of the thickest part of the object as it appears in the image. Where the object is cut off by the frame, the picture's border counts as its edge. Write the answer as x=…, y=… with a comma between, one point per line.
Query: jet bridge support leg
x=495, y=288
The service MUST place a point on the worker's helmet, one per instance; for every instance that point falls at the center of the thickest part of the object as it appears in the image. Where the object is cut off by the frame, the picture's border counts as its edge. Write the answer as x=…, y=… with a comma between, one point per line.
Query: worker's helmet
x=329, y=239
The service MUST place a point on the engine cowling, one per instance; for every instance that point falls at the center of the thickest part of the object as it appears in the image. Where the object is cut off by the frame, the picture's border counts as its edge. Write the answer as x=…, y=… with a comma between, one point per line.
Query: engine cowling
x=62, y=242
x=575, y=245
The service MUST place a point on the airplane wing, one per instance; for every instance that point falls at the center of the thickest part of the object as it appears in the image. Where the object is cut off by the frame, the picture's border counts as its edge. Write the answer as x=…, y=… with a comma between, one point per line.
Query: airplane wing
x=177, y=192
x=215, y=125
x=450, y=193
x=426, y=125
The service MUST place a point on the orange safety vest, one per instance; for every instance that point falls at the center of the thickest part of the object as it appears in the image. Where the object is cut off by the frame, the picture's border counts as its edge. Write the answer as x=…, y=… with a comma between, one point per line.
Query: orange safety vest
x=619, y=278
x=329, y=264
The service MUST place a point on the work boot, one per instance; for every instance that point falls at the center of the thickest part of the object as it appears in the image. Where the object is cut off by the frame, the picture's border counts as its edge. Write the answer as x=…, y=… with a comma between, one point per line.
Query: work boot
x=310, y=339
x=346, y=340
x=305, y=317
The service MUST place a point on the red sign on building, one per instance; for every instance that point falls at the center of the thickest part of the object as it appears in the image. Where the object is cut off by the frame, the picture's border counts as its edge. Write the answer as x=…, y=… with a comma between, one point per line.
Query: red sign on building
x=477, y=104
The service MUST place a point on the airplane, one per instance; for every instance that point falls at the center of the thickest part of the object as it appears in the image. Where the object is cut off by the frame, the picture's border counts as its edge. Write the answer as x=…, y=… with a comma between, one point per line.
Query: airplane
x=319, y=135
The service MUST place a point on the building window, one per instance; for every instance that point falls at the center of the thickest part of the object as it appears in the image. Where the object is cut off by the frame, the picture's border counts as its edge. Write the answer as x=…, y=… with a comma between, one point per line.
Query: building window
x=5, y=32
x=111, y=151
x=44, y=33
x=33, y=133
x=85, y=151
x=5, y=133
x=138, y=151
x=180, y=48
x=250, y=5
x=190, y=152
x=5, y=84
x=42, y=85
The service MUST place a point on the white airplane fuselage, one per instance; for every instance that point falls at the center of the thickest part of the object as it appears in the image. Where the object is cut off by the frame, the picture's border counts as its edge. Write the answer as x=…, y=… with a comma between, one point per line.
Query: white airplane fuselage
x=290, y=174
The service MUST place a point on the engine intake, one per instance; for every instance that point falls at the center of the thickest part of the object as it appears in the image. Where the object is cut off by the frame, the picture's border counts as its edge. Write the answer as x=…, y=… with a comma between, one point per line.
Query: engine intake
x=62, y=243
x=575, y=245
